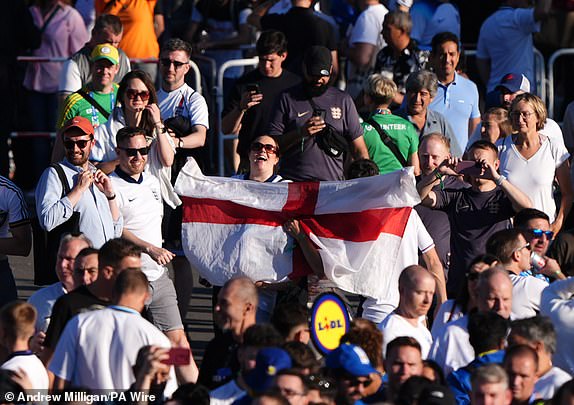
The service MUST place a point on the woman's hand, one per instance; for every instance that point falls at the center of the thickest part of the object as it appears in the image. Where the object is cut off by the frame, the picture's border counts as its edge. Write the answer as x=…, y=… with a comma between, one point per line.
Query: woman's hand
x=154, y=113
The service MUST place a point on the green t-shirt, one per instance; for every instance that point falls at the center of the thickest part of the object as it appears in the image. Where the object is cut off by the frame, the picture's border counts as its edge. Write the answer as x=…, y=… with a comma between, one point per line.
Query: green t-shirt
x=77, y=106
x=402, y=133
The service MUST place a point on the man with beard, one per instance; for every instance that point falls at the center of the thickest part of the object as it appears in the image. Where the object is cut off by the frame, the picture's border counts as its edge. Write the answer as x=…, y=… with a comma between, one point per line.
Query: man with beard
x=91, y=191
x=315, y=124
x=234, y=313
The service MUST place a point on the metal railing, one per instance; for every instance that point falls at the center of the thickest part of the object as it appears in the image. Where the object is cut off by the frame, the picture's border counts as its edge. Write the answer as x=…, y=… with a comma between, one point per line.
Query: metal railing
x=550, y=80
x=219, y=88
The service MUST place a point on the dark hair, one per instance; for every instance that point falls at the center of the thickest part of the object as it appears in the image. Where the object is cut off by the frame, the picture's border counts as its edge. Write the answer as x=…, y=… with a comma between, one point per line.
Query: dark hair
x=567, y=389
x=443, y=37
x=403, y=341
x=270, y=42
x=521, y=351
x=440, y=378
x=536, y=329
x=115, y=250
x=326, y=386
x=302, y=356
x=288, y=315
x=526, y=215
x=191, y=393
x=503, y=244
x=128, y=132
x=484, y=145
x=275, y=395
x=486, y=330
x=410, y=391
x=365, y=334
x=147, y=122
x=176, y=44
x=130, y=282
x=262, y=335
x=362, y=168
x=112, y=22
x=86, y=252
x=295, y=373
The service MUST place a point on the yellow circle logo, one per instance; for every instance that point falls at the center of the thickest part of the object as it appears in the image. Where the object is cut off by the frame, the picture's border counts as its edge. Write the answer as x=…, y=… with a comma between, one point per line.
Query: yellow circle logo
x=329, y=321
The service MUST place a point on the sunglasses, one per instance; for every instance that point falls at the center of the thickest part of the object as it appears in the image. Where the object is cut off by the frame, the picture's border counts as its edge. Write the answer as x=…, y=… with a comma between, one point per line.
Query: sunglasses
x=165, y=62
x=258, y=146
x=81, y=144
x=133, y=94
x=537, y=233
x=518, y=249
x=134, y=151
x=355, y=382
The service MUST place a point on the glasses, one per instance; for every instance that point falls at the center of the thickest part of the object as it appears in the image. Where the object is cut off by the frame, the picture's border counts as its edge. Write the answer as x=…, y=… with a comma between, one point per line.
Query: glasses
x=82, y=143
x=537, y=233
x=134, y=151
x=355, y=382
x=258, y=146
x=133, y=94
x=518, y=249
x=165, y=62
x=524, y=114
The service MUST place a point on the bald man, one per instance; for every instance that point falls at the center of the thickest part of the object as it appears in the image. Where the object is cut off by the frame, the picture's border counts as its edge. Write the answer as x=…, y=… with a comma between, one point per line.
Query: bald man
x=416, y=290
x=452, y=349
x=234, y=313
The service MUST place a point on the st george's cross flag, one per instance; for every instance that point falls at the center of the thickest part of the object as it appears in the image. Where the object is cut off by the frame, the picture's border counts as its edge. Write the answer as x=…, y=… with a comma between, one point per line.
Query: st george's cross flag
x=233, y=227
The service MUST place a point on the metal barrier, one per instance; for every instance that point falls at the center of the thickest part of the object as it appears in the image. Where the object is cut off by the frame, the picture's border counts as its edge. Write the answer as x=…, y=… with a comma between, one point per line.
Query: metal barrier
x=551, y=62
x=40, y=59
x=221, y=137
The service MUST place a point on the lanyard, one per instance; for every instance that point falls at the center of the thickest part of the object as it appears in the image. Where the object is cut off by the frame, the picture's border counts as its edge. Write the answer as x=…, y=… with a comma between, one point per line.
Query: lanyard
x=95, y=118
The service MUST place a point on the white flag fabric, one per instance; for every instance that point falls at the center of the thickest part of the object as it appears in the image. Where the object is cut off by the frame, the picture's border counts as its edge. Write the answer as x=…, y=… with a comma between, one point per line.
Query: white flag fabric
x=234, y=227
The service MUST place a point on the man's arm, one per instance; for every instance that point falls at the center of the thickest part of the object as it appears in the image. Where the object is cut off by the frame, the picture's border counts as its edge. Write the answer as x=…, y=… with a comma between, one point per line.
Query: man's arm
x=231, y=122
x=472, y=125
x=255, y=17
x=360, y=150
x=158, y=254
x=518, y=199
x=433, y=264
x=361, y=54
x=567, y=195
x=195, y=139
x=310, y=252
x=425, y=186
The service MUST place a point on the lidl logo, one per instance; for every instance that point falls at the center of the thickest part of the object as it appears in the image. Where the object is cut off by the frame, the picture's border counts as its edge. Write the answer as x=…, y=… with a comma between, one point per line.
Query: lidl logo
x=329, y=321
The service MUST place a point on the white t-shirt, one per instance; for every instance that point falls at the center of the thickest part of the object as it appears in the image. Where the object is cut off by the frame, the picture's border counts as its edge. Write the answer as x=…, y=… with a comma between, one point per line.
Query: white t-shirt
x=534, y=176
x=32, y=366
x=451, y=349
x=226, y=394
x=43, y=300
x=415, y=238
x=185, y=102
x=443, y=317
x=549, y=383
x=142, y=208
x=98, y=349
x=395, y=326
x=526, y=293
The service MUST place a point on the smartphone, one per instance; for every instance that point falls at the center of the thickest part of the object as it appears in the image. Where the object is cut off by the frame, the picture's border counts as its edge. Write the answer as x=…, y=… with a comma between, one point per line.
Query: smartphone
x=319, y=112
x=178, y=356
x=468, y=167
x=253, y=88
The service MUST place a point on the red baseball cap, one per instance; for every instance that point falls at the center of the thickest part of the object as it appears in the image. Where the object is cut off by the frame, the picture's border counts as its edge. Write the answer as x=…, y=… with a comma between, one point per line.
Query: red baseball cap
x=82, y=123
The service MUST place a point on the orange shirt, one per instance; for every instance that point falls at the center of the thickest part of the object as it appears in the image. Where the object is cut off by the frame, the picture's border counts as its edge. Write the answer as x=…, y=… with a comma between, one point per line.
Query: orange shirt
x=139, y=39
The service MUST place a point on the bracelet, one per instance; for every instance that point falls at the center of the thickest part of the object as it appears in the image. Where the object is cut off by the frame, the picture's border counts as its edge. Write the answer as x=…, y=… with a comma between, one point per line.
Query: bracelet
x=557, y=272
x=500, y=180
x=157, y=123
x=179, y=143
x=111, y=198
x=439, y=177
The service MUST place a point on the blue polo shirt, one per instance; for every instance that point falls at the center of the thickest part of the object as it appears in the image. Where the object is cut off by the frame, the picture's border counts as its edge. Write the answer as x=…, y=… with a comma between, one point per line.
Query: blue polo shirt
x=457, y=102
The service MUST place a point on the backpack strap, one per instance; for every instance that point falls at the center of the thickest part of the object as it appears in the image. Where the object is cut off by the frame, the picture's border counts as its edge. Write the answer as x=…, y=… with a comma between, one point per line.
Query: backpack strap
x=94, y=103
x=387, y=140
x=62, y=176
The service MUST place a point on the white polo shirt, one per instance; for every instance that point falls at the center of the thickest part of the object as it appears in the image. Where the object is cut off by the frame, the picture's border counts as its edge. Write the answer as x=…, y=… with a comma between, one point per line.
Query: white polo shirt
x=184, y=102
x=395, y=326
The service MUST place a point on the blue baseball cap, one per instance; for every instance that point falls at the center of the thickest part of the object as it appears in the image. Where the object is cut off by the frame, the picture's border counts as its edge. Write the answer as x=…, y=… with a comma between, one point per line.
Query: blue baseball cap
x=351, y=359
x=268, y=363
x=514, y=82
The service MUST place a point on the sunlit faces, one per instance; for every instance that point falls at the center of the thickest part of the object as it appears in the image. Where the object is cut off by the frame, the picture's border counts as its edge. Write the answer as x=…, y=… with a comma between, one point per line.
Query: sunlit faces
x=263, y=155
x=446, y=59
x=130, y=163
x=231, y=309
x=490, y=129
x=496, y=295
x=173, y=67
x=491, y=394
x=523, y=117
x=107, y=36
x=418, y=101
x=416, y=299
x=402, y=363
x=86, y=269
x=432, y=152
x=270, y=65
x=77, y=145
x=537, y=234
x=65, y=261
x=522, y=377
x=392, y=34
x=104, y=72
x=137, y=96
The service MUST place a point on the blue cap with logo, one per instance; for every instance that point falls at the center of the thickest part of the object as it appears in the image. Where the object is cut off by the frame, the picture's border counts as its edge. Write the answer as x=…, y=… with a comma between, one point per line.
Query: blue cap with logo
x=268, y=363
x=350, y=358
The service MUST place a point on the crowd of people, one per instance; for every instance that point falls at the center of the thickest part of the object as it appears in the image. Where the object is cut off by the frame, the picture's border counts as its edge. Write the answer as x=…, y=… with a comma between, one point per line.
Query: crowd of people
x=479, y=310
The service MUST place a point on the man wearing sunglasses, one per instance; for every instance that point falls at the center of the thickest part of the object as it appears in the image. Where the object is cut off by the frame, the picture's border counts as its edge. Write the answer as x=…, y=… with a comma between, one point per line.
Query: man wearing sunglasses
x=513, y=251
x=91, y=191
x=140, y=202
x=535, y=226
